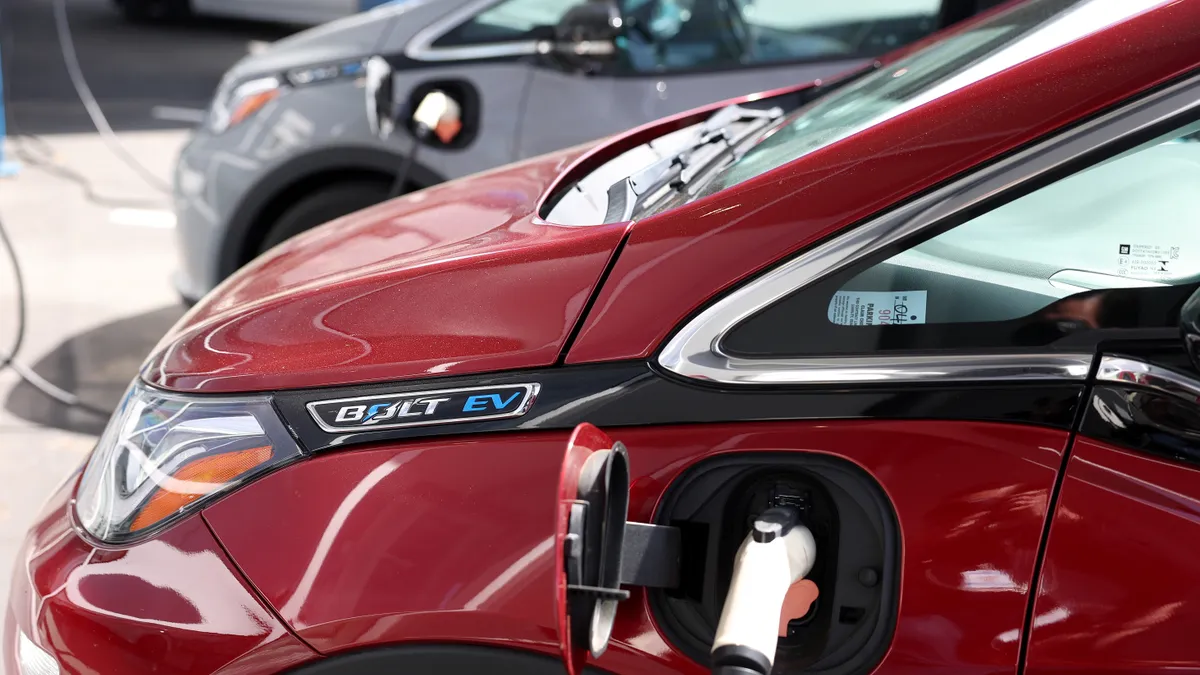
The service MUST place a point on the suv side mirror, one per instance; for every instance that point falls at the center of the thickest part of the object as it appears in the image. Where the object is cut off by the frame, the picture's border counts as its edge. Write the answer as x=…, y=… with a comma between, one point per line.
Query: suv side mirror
x=1189, y=327
x=586, y=37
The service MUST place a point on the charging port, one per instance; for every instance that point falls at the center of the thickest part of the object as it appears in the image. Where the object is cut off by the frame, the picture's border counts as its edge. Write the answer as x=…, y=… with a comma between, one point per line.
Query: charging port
x=784, y=494
x=715, y=503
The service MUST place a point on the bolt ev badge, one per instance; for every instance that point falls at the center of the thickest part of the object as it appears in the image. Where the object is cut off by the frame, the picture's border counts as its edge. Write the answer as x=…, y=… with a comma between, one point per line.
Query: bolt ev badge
x=423, y=408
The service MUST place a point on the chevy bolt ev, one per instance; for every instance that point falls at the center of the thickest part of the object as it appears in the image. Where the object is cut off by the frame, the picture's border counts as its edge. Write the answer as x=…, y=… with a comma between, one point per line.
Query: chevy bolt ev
x=922, y=339
x=288, y=146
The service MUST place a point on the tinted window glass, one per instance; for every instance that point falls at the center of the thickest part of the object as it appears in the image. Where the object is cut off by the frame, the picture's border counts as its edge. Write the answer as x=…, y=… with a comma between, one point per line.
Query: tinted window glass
x=1024, y=32
x=507, y=21
x=668, y=35
x=1114, y=246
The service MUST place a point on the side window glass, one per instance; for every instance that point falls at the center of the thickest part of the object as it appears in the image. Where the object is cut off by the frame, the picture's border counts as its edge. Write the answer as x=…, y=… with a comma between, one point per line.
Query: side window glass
x=784, y=30
x=507, y=21
x=681, y=35
x=1113, y=246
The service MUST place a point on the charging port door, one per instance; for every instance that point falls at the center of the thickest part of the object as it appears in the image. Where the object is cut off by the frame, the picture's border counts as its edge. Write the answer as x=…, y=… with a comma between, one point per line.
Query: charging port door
x=598, y=550
x=593, y=502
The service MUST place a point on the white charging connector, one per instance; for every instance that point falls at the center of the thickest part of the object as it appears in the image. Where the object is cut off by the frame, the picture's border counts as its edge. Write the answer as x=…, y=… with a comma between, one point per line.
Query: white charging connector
x=437, y=109
x=776, y=554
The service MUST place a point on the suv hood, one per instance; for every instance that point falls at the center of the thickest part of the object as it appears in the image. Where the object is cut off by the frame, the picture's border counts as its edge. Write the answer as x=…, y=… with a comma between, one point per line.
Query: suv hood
x=459, y=278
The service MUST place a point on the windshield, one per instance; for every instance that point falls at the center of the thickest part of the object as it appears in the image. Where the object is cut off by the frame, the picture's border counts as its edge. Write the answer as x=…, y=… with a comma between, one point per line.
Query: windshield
x=945, y=66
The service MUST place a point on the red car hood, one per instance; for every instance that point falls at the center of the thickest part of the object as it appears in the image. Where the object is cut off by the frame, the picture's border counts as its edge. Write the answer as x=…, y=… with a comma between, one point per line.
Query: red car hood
x=460, y=278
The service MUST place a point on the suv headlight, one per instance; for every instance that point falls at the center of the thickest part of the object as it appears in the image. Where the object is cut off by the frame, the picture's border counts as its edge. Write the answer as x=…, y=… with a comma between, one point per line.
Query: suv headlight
x=164, y=455
x=235, y=103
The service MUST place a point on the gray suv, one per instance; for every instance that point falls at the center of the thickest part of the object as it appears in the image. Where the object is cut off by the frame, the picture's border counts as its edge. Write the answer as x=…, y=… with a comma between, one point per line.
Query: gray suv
x=291, y=142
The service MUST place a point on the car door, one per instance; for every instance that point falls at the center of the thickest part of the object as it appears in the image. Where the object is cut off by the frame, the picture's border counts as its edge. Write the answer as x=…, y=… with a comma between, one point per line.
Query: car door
x=1117, y=591
x=936, y=350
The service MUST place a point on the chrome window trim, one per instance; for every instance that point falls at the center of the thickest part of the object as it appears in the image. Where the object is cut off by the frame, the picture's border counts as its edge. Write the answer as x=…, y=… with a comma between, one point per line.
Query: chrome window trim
x=420, y=47
x=694, y=351
x=1129, y=371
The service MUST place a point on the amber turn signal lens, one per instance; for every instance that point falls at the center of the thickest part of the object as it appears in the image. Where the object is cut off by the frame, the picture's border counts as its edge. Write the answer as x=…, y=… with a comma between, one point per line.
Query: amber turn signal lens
x=250, y=105
x=198, y=479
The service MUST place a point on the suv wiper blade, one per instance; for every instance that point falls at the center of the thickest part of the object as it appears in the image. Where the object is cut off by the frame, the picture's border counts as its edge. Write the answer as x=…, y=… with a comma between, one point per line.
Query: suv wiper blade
x=628, y=195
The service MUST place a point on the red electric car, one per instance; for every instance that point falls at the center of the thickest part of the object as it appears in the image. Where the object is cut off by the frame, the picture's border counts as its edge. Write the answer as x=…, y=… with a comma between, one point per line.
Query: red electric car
x=938, y=312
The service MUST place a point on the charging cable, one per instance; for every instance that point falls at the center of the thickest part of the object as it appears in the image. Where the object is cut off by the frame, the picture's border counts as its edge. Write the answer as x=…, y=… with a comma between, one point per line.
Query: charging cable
x=45, y=162
x=439, y=114
x=9, y=359
x=66, y=43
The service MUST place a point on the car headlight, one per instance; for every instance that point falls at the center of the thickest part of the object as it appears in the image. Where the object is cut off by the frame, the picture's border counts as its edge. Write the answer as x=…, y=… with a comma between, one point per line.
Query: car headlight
x=164, y=455
x=235, y=103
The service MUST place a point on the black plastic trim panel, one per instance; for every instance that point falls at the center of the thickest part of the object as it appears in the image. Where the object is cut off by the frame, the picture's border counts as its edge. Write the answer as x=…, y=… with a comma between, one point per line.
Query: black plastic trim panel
x=1145, y=419
x=438, y=660
x=634, y=394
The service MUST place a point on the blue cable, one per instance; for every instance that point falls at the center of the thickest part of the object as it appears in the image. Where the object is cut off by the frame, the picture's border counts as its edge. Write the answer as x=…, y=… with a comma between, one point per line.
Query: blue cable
x=7, y=167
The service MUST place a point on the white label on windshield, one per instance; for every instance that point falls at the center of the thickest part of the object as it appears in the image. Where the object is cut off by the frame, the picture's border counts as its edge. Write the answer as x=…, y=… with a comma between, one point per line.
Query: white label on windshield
x=877, y=308
x=1151, y=261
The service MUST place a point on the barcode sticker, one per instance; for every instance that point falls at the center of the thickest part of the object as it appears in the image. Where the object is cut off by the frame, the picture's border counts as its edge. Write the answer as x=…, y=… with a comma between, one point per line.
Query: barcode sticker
x=877, y=308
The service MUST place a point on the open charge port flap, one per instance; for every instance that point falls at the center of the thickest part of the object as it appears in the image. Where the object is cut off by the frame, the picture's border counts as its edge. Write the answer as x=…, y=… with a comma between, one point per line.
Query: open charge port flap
x=712, y=507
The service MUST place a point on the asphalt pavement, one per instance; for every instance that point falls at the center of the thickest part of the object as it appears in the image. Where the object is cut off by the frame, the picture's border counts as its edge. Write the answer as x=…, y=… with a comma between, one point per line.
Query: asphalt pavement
x=93, y=237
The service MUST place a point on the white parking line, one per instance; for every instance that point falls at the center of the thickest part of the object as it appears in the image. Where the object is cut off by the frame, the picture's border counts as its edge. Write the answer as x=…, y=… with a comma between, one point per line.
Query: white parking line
x=176, y=114
x=156, y=218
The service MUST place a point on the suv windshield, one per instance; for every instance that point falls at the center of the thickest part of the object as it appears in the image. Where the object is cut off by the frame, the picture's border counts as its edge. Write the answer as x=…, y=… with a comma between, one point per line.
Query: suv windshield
x=1014, y=36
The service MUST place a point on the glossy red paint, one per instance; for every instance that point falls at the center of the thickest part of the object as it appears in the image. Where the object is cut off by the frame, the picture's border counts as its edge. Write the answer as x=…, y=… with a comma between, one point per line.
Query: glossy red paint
x=738, y=232
x=1118, y=591
x=458, y=278
x=454, y=540
x=173, y=604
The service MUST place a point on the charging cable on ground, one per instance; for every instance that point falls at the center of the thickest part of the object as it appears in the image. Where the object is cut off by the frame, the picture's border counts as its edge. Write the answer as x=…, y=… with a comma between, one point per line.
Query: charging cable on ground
x=9, y=359
x=44, y=161
x=778, y=553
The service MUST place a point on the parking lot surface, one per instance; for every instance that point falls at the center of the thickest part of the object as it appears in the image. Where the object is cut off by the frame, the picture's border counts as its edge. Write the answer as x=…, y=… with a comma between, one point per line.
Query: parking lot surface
x=93, y=237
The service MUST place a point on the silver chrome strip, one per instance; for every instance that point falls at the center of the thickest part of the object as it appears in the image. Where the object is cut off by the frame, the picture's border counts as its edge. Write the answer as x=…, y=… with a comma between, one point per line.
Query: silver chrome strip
x=695, y=352
x=420, y=47
x=1124, y=370
x=885, y=369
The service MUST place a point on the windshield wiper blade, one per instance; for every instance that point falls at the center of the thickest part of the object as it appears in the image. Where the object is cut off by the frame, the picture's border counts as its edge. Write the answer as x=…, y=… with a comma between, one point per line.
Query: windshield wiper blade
x=628, y=195
x=732, y=114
